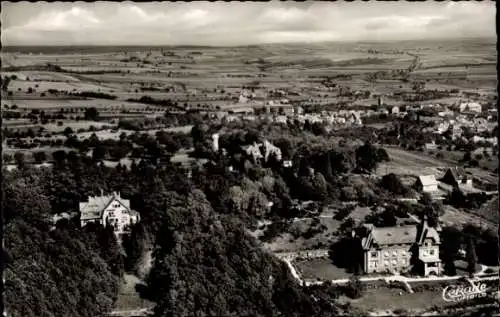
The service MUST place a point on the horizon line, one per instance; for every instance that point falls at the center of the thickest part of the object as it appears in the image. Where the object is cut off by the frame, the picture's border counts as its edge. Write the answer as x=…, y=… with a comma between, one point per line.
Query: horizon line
x=254, y=44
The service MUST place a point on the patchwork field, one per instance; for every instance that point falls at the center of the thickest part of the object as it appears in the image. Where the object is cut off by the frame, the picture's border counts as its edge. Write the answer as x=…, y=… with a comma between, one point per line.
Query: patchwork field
x=47, y=104
x=115, y=134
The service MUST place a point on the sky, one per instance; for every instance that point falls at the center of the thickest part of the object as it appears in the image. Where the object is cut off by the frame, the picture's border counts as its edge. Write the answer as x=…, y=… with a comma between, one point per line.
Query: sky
x=240, y=23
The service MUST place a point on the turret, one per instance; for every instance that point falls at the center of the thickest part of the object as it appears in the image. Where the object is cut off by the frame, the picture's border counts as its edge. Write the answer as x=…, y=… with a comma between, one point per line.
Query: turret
x=215, y=142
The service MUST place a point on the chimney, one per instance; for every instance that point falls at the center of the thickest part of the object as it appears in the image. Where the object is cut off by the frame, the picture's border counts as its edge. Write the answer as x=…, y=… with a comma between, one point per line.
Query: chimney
x=102, y=192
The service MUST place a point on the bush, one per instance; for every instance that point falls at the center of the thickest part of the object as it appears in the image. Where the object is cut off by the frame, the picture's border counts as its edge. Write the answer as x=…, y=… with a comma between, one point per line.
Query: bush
x=400, y=312
x=354, y=288
x=397, y=284
x=392, y=183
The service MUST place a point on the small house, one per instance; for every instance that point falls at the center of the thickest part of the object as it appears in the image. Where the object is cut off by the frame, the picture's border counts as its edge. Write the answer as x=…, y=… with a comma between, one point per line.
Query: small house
x=455, y=176
x=426, y=184
x=471, y=106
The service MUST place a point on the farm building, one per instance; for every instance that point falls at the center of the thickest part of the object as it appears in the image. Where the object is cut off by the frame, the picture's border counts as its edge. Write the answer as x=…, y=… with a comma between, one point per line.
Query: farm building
x=455, y=176
x=471, y=106
x=427, y=184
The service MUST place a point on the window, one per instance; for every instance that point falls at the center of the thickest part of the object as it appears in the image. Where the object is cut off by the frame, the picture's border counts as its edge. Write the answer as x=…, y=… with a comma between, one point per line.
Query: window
x=402, y=252
x=394, y=262
x=431, y=252
x=386, y=263
x=394, y=253
x=373, y=264
x=386, y=253
x=403, y=261
x=373, y=254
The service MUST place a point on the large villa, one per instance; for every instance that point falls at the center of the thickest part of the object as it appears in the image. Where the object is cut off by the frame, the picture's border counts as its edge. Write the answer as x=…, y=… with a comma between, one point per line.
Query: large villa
x=399, y=249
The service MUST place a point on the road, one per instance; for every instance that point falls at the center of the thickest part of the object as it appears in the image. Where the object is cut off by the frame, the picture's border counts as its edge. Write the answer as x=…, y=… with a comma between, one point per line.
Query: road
x=130, y=313
x=395, y=277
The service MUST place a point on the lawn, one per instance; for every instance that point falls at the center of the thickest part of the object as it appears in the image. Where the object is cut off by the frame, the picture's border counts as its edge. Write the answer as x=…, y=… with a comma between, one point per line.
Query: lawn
x=384, y=298
x=460, y=218
x=128, y=298
x=320, y=269
x=461, y=267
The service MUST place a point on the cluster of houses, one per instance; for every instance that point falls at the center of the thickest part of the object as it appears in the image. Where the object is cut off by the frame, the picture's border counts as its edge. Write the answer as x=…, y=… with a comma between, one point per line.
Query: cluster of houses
x=453, y=177
x=401, y=248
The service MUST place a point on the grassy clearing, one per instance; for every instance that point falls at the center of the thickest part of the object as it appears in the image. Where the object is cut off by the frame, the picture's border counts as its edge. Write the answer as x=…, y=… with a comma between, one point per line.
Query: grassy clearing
x=54, y=127
x=410, y=163
x=61, y=86
x=384, y=298
x=459, y=218
x=115, y=134
x=322, y=269
x=128, y=298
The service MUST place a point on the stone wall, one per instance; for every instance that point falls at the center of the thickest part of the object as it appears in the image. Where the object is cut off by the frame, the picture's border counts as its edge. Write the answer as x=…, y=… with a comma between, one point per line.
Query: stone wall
x=304, y=254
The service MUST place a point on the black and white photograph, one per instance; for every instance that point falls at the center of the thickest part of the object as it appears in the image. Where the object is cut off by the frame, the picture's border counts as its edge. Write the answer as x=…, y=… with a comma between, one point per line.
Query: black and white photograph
x=260, y=159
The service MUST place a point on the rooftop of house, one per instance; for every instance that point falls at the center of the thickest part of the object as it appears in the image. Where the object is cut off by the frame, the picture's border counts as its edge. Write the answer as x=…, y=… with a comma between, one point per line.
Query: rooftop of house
x=458, y=172
x=427, y=180
x=408, y=234
x=394, y=235
x=95, y=206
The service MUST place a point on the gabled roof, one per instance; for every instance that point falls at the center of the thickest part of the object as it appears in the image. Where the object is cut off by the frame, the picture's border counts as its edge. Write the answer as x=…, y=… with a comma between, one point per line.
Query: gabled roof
x=394, y=235
x=95, y=206
x=427, y=180
x=457, y=172
x=428, y=232
x=399, y=235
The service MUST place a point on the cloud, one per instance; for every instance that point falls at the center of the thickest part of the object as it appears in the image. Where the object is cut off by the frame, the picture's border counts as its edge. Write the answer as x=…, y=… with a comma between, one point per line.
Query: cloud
x=240, y=23
x=72, y=19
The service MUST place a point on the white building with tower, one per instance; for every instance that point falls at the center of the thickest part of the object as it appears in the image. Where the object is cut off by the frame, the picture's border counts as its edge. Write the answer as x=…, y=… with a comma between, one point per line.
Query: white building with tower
x=215, y=142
